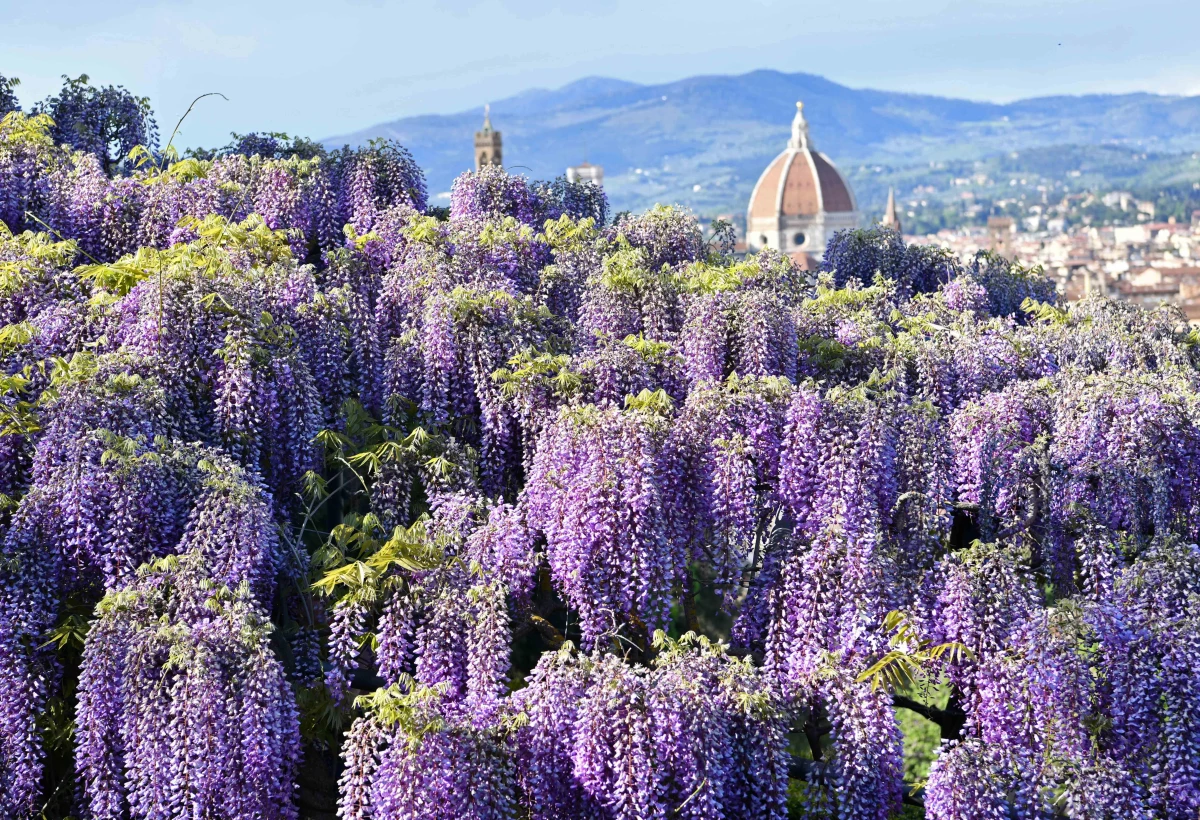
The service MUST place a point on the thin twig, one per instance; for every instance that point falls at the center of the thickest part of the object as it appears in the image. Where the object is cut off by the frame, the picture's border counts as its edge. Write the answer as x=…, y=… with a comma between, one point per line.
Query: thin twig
x=175, y=130
x=162, y=159
x=61, y=238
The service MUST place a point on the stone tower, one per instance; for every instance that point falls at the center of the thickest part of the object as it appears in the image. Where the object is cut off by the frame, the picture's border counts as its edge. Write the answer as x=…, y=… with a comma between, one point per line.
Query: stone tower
x=890, y=218
x=487, y=142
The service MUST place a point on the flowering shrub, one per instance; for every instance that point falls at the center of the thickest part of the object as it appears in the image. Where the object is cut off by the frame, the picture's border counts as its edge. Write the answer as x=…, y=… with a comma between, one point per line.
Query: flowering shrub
x=527, y=515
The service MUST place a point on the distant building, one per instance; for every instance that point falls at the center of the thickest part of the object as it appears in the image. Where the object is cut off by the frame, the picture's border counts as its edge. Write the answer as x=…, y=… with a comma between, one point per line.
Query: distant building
x=1152, y=286
x=799, y=201
x=1000, y=231
x=586, y=172
x=890, y=218
x=1131, y=234
x=488, y=148
x=1117, y=199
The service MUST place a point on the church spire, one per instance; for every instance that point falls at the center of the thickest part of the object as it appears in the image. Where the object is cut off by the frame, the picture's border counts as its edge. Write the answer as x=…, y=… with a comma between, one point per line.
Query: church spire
x=488, y=145
x=890, y=218
x=799, y=140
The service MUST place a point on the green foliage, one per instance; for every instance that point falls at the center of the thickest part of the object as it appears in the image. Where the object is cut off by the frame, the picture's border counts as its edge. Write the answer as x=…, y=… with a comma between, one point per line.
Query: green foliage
x=710, y=277
x=358, y=561
x=1046, y=312
x=209, y=254
x=906, y=664
x=652, y=351
x=531, y=369
x=406, y=705
x=31, y=255
x=657, y=402
x=567, y=234
x=16, y=335
x=25, y=131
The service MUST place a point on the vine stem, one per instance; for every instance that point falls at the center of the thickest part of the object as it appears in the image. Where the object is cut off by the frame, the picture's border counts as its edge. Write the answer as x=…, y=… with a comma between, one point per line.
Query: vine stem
x=162, y=158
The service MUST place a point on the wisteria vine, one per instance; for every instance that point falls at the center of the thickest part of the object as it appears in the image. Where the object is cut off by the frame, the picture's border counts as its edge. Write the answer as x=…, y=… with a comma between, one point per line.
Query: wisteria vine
x=315, y=498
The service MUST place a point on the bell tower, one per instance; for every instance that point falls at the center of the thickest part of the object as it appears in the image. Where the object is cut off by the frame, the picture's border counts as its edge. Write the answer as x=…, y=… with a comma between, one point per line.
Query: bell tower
x=487, y=142
x=890, y=218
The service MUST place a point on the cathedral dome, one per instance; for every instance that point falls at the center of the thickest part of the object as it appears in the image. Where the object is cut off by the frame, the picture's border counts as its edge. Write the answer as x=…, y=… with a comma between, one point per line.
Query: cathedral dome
x=800, y=183
x=800, y=199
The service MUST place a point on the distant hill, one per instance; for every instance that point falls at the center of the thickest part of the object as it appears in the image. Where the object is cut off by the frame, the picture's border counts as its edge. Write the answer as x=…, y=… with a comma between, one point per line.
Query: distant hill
x=658, y=142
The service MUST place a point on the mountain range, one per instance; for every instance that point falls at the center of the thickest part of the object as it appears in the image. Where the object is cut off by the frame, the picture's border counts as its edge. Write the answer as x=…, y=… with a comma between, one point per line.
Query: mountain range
x=702, y=141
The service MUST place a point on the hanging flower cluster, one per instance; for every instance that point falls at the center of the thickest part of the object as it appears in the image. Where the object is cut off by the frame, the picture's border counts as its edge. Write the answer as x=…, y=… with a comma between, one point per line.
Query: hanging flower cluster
x=492, y=193
x=598, y=492
x=99, y=508
x=693, y=736
x=1096, y=700
x=196, y=714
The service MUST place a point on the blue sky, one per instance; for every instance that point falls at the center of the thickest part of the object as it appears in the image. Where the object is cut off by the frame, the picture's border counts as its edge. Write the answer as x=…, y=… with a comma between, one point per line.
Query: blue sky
x=323, y=68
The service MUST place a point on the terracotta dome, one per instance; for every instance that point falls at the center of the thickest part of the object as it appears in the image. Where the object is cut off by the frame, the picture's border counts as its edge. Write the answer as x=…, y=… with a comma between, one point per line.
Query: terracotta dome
x=800, y=200
x=804, y=261
x=800, y=183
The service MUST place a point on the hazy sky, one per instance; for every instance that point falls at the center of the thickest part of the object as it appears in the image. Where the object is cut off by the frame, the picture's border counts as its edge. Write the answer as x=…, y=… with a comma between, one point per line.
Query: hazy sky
x=323, y=68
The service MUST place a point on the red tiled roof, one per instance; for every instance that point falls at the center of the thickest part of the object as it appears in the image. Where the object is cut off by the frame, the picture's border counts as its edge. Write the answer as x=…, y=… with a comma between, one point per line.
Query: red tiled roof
x=789, y=186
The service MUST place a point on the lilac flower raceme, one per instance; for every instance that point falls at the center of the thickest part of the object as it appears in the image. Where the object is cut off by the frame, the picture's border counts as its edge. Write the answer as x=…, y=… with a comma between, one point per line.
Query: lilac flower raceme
x=727, y=442
x=195, y=716
x=752, y=334
x=584, y=199
x=689, y=736
x=99, y=120
x=492, y=192
x=597, y=493
x=8, y=98
x=667, y=235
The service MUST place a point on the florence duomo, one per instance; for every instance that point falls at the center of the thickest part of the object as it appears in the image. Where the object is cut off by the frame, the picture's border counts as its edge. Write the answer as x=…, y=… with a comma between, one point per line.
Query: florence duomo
x=800, y=200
